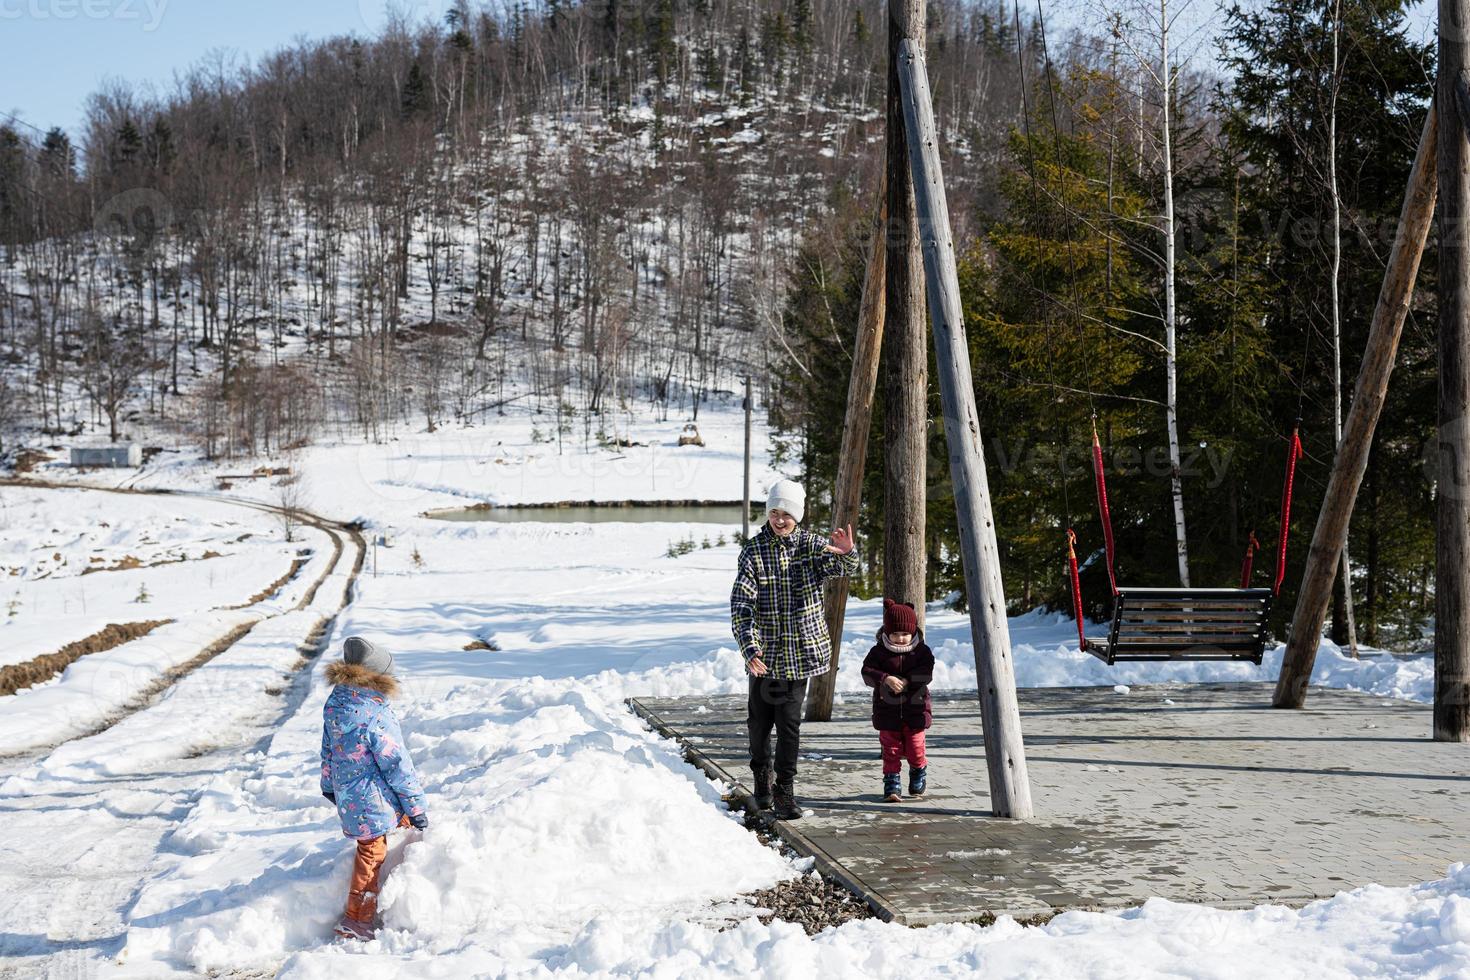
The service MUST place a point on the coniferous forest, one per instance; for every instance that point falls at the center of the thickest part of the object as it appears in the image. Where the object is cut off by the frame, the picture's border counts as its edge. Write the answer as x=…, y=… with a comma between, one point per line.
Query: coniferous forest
x=587, y=206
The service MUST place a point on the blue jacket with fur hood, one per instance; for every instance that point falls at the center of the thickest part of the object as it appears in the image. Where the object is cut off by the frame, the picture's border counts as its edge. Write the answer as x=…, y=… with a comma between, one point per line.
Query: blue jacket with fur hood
x=364, y=761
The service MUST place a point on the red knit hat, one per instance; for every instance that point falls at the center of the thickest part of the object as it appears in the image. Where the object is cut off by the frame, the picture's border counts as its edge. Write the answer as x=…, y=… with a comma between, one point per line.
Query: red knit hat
x=899, y=617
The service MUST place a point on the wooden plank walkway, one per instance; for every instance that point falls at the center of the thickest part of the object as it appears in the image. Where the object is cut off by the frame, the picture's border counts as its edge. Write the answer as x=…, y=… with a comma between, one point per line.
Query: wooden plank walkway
x=1196, y=793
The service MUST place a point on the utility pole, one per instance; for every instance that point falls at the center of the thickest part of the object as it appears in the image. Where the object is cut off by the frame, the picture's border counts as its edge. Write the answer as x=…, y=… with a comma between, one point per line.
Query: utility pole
x=1452, y=483
x=905, y=346
x=1000, y=712
x=1325, y=554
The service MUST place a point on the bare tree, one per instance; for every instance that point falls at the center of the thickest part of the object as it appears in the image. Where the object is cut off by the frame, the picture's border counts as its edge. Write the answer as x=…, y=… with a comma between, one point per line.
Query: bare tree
x=112, y=362
x=290, y=501
x=1150, y=30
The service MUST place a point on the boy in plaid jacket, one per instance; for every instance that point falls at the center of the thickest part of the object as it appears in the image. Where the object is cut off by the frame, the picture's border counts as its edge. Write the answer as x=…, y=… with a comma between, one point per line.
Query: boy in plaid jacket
x=776, y=616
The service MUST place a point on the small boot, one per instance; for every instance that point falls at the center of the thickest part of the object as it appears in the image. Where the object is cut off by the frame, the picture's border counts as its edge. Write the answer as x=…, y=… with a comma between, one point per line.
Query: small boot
x=785, y=802
x=918, y=781
x=763, y=798
x=891, y=787
x=350, y=928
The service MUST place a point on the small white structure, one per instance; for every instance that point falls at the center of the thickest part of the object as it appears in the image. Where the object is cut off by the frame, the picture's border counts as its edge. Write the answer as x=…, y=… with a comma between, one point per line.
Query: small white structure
x=128, y=455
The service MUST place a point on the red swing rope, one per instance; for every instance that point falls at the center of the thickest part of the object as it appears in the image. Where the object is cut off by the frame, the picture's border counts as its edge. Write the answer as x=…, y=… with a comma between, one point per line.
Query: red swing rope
x=1251, y=548
x=1102, y=505
x=1076, y=586
x=1293, y=453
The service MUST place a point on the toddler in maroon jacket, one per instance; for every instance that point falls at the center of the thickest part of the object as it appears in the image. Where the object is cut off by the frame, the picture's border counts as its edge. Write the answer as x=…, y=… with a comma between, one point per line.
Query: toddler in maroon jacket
x=898, y=669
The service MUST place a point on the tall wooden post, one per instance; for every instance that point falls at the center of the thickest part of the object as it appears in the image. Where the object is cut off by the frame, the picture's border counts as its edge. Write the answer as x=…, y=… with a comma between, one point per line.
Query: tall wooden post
x=905, y=347
x=1351, y=461
x=1452, y=484
x=848, y=493
x=1005, y=755
x=745, y=495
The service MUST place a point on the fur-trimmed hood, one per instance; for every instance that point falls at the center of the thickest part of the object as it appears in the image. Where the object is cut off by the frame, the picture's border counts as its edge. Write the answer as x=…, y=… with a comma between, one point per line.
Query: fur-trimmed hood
x=356, y=675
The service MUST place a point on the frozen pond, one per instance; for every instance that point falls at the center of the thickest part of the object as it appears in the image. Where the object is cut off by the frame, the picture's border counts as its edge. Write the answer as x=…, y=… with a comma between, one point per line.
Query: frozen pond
x=729, y=514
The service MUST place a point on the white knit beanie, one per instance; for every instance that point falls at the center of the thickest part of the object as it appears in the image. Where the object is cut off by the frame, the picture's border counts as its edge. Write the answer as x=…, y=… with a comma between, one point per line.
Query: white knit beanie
x=787, y=495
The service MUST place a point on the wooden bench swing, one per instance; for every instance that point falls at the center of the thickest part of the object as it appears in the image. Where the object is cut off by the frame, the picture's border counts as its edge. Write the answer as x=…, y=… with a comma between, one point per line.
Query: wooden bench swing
x=1166, y=624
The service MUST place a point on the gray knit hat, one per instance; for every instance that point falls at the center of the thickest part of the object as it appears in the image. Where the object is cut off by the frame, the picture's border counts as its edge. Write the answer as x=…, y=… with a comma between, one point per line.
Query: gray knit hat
x=356, y=650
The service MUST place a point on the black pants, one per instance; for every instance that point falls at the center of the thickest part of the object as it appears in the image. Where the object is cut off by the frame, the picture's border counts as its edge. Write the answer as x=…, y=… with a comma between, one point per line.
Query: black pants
x=775, y=703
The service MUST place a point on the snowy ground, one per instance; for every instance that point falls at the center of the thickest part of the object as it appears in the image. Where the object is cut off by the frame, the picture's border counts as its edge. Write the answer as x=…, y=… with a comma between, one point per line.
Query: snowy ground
x=72, y=562
x=564, y=838
x=514, y=460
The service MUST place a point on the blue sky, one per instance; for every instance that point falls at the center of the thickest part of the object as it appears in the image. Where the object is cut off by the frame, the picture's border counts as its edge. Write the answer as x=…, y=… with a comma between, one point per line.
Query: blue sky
x=54, y=53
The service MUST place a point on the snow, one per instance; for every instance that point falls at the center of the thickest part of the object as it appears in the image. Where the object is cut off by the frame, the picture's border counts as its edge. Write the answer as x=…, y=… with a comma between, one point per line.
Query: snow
x=565, y=838
x=390, y=484
x=50, y=539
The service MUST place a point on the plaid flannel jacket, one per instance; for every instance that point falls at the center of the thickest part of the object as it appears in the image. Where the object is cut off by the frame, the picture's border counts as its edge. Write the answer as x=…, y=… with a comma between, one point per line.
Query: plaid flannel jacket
x=776, y=604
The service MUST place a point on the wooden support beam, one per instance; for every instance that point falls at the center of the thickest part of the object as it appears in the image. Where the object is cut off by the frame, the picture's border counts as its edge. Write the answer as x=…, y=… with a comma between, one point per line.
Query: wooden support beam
x=749, y=406
x=1005, y=755
x=1452, y=476
x=905, y=348
x=1351, y=460
x=856, y=424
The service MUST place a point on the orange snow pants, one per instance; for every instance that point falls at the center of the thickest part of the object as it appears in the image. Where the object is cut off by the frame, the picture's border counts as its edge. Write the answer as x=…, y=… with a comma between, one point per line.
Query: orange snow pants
x=362, y=893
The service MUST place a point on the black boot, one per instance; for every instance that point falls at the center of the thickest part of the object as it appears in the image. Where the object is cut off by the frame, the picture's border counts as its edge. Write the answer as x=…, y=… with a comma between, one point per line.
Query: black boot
x=918, y=781
x=786, y=808
x=762, y=788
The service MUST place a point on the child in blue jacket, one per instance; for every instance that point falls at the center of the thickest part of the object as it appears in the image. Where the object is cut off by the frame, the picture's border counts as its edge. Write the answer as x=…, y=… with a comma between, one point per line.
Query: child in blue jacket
x=366, y=771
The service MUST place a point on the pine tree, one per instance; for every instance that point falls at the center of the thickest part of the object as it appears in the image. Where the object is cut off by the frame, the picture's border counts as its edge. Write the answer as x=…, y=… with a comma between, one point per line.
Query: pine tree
x=662, y=49
x=1275, y=117
x=127, y=146
x=415, y=92
x=58, y=157
x=745, y=64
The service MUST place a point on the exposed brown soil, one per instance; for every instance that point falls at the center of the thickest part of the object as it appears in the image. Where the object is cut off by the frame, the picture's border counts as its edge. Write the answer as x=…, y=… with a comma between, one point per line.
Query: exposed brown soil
x=17, y=677
x=123, y=564
x=27, y=460
x=128, y=562
x=481, y=645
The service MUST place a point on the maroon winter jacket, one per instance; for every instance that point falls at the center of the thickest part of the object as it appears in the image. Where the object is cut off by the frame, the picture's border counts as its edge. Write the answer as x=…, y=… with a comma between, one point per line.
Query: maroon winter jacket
x=912, y=708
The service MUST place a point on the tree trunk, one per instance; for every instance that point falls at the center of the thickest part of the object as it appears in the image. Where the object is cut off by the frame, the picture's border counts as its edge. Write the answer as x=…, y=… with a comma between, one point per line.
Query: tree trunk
x=1171, y=363
x=905, y=349
x=1324, y=555
x=1344, y=631
x=1452, y=486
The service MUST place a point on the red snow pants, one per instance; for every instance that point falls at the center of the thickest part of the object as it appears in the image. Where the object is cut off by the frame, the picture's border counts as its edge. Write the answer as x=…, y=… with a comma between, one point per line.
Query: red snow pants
x=897, y=746
x=362, y=893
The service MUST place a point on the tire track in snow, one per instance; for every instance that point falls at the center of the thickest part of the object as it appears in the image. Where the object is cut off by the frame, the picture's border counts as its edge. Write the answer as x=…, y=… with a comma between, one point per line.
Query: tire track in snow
x=102, y=806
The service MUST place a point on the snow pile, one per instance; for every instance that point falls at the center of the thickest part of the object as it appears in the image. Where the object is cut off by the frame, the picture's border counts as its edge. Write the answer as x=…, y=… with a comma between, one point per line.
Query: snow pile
x=1423, y=931
x=542, y=798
